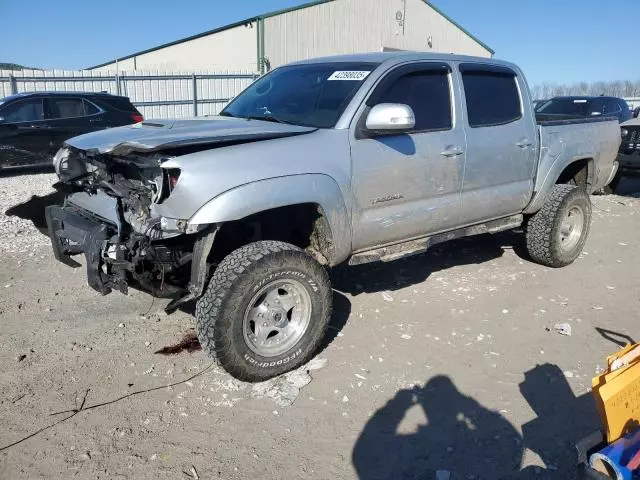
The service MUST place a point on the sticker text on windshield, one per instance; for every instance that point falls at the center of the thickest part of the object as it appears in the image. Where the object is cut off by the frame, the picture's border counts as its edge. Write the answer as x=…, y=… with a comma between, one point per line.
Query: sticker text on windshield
x=357, y=75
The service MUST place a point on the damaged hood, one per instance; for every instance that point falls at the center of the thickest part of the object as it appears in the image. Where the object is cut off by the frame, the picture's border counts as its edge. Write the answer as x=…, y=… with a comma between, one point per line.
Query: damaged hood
x=154, y=135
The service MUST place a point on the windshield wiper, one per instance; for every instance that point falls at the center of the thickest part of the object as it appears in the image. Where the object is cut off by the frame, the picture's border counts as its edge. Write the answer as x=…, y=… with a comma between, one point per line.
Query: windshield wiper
x=267, y=118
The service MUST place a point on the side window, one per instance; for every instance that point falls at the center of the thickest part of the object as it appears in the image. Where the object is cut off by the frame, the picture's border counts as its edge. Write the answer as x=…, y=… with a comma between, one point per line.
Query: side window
x=23, y=111
x=65, y=108
x=597, y=107
x=427, y=93
x=492, y=97
x=611, y=107
x=90, y=108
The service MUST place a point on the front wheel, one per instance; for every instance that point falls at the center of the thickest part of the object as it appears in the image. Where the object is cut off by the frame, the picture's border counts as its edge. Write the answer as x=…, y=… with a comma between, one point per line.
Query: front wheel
x=557, y=233
x=265, y=311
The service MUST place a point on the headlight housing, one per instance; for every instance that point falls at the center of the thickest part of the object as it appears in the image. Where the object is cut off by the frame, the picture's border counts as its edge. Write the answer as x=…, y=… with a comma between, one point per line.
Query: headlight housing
x=61, y=161
x=624, y=132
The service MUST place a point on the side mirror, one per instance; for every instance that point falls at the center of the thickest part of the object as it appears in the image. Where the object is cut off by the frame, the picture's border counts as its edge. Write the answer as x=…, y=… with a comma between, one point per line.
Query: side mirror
x=390, y=118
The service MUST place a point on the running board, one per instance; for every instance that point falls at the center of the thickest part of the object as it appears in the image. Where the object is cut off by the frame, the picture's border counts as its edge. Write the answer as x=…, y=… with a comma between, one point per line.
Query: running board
x=421, y=245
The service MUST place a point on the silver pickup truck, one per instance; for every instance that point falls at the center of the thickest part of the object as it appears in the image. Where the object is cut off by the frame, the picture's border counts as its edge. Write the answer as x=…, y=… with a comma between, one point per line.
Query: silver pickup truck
x=354, y=158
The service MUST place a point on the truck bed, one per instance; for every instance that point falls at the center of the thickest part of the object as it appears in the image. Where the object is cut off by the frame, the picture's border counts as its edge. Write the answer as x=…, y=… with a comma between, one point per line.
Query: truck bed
x=546, y=120
x=562, y=142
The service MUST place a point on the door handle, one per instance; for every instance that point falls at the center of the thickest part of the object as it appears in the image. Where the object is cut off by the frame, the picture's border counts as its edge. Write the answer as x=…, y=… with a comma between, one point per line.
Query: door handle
x=452, y=151
x=524, y=143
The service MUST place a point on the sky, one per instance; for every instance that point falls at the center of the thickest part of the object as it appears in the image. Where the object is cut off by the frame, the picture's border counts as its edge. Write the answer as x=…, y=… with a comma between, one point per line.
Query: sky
x=561, y=41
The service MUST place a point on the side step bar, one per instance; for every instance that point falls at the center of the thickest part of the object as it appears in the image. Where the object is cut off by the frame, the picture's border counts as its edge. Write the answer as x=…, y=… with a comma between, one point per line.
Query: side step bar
x=421, y=245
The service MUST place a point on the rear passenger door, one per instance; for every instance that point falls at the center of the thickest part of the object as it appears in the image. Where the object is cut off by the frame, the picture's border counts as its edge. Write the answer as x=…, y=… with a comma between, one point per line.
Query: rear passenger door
x=408, y=184
x=501, y=143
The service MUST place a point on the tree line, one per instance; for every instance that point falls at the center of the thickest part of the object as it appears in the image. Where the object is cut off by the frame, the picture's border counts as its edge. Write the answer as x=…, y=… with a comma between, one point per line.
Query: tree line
x=615, y=88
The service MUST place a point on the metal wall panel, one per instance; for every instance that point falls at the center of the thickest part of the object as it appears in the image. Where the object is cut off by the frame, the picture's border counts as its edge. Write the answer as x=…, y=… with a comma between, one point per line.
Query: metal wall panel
x=156, y=94
x=233, y=49
x=355, y=26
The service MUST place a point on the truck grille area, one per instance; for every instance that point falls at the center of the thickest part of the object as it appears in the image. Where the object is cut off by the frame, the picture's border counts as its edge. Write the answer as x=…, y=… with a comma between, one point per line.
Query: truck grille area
x=631, y=143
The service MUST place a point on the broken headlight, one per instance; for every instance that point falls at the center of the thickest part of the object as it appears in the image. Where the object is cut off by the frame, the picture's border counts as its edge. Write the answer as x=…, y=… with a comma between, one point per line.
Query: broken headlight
x=164, y=184
x=67, y=165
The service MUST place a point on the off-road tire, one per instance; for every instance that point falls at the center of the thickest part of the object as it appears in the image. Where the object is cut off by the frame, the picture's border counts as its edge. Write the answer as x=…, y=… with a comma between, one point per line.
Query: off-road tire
x=221, y=309
x=543, y=229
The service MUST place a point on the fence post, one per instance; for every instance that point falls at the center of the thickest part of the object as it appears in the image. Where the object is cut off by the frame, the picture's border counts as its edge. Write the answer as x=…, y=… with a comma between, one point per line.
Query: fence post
x=13, y=84
x=117, y=80
x=195, y=95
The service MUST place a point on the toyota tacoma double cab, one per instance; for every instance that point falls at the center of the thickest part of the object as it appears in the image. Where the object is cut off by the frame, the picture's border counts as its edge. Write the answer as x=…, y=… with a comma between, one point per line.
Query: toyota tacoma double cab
x=354, y=159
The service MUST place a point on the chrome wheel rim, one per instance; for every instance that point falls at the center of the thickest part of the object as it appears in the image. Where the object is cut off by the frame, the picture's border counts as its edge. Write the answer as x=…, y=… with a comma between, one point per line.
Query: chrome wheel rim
x=277, y=317
x=571, y=228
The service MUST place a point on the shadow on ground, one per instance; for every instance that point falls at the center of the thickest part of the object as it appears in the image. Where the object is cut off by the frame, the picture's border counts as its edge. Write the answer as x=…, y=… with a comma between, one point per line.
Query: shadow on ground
x=471, y=441
x=379, y=276
x=33, y=209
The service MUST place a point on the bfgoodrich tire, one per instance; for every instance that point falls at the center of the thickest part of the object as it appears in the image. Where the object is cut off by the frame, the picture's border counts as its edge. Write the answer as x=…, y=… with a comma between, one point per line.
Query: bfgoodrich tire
x=265, y=310
x=558, y=232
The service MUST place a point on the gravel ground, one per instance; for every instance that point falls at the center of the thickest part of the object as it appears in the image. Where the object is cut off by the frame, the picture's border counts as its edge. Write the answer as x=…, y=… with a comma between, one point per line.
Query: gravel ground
x=446, y=361
x=19, y=235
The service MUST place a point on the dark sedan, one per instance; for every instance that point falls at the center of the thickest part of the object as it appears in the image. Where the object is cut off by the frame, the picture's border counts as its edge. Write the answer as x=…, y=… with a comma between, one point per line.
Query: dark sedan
x=33, y=126
x=569, y=108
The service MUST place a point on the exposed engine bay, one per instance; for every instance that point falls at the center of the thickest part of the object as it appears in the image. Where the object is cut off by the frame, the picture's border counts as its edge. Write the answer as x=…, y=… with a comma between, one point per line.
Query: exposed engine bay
x=122, y=213
x=128, y=242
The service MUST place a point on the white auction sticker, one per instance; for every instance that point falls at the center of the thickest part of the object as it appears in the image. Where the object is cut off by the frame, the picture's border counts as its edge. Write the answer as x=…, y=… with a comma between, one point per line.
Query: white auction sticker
x=357, y=75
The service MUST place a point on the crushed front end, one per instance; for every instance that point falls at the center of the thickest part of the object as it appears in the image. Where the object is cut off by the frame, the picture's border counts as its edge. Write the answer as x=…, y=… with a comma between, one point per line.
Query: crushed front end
x=108, y=215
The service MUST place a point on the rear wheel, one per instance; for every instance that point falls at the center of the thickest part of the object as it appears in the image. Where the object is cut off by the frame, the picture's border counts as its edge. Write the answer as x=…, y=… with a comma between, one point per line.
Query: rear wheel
x=557, y=233
x=265, y=311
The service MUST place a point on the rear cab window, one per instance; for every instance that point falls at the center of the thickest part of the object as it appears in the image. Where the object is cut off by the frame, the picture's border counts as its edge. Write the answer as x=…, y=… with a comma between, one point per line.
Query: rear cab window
x=426, y=88
x=492, y=95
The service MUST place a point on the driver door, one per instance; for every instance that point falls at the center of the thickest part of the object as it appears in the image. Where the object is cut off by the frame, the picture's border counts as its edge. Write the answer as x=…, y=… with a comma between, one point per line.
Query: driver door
x=408, y=184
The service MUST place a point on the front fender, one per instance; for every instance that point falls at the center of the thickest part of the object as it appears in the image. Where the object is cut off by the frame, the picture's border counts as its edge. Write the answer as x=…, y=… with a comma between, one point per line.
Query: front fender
x=262, y=195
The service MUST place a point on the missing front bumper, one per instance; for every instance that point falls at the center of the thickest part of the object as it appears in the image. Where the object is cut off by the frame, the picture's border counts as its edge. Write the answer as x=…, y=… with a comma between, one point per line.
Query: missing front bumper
x=71, y=233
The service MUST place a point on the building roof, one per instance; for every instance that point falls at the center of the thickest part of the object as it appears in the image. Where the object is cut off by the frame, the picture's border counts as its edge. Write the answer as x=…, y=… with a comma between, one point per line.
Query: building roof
x=267, y=15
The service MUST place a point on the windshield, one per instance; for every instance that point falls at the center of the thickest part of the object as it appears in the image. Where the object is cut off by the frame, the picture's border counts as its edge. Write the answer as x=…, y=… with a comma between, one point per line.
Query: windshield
x=313, y=95
x=566, y=106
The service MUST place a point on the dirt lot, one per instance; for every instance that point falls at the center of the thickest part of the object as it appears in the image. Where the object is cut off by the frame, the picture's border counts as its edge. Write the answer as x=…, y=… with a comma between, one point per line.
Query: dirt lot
x=446, y=361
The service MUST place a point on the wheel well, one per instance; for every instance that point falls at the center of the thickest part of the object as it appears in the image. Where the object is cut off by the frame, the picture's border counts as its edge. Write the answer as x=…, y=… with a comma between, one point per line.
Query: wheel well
x=577, y=173
x=303, y=225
